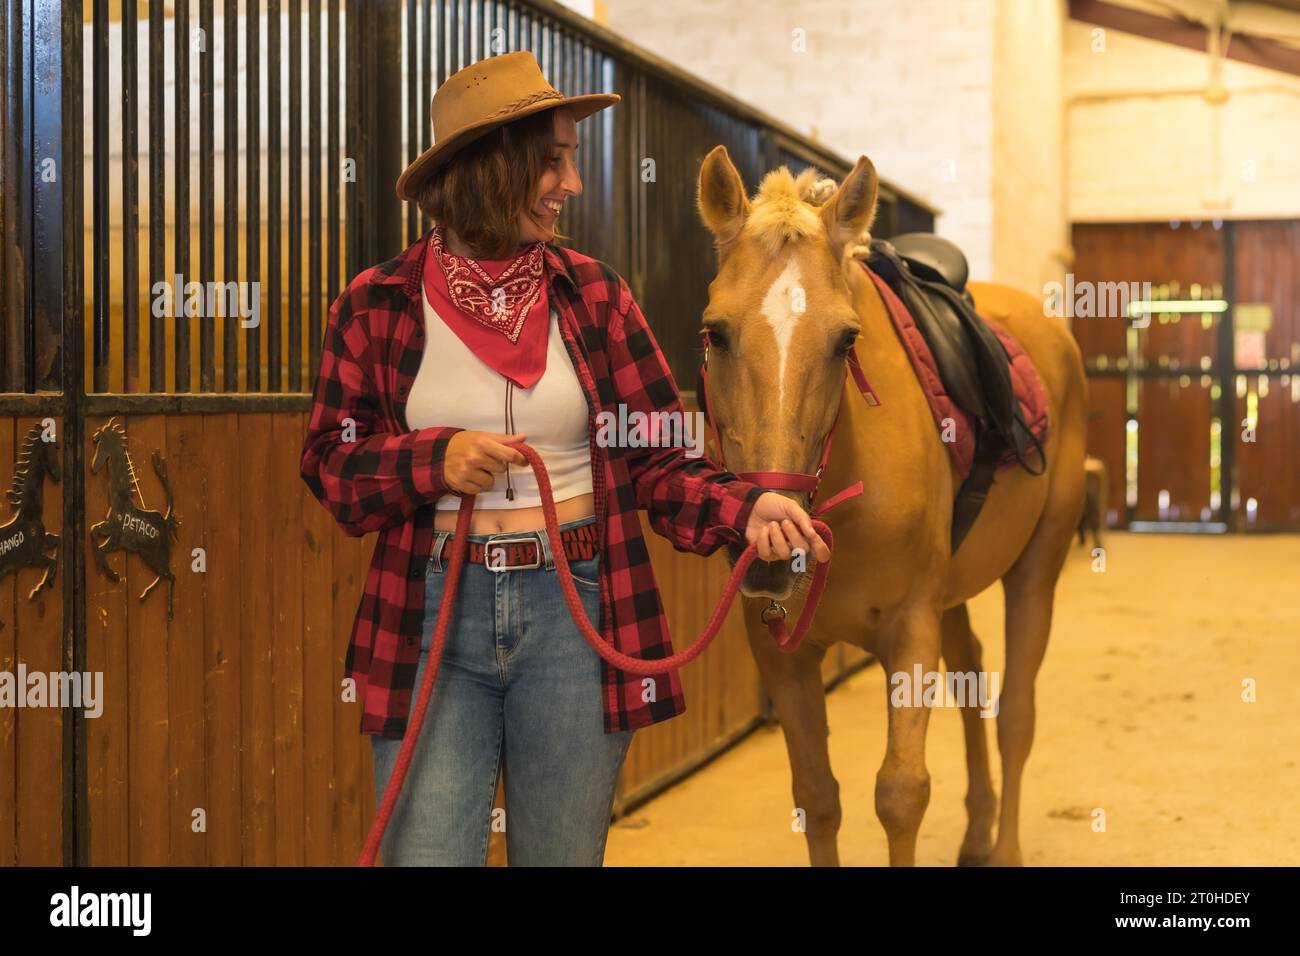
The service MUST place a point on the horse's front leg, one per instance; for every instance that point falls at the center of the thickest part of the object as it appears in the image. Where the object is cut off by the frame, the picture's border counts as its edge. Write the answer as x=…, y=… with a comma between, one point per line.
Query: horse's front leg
x=794, y=682
x=902, y=783
x=49, y=543
x=98, y=550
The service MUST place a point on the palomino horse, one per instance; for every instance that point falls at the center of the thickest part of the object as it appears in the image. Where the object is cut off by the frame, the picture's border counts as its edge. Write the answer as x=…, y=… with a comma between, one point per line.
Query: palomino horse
x=787, y=304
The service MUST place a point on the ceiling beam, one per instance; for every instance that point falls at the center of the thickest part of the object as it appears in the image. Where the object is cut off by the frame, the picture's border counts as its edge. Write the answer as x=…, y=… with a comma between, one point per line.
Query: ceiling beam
x=1179, y=31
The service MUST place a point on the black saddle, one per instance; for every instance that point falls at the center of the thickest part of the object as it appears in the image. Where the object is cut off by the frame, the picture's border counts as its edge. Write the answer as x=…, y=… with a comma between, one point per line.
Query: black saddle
x=933, y=258
x=929, y=275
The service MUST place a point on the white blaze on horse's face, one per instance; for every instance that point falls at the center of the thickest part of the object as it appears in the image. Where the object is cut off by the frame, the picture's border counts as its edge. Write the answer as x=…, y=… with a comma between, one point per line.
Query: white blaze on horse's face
x=780, y=320
x=779, y=308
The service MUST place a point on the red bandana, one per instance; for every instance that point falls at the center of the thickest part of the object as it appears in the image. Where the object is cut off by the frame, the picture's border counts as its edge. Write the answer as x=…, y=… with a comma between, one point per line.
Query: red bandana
x=497, y=307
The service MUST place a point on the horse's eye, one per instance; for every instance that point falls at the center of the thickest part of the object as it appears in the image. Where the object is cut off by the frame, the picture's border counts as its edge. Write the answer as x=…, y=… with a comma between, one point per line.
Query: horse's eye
x=717, y=339
x=846, y=344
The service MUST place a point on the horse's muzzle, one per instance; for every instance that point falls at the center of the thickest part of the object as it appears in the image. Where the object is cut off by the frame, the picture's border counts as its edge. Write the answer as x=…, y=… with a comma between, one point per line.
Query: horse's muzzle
x=769, y=579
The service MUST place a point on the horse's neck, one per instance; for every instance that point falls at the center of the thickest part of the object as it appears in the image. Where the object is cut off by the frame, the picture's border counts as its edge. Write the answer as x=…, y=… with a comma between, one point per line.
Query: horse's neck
x=30, y=485
x=878, y=343
x=120, y=479
x=885, y=361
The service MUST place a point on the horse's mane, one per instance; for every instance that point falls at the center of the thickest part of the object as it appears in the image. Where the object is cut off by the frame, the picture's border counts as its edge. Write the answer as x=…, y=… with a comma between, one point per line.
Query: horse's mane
x=785, y=209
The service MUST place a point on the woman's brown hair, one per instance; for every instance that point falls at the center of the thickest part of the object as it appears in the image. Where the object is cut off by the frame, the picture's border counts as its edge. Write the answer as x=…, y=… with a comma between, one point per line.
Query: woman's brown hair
x=482, y=190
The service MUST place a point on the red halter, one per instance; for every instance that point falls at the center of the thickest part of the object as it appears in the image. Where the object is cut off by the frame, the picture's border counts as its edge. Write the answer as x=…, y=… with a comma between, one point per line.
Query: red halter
x=793, y=480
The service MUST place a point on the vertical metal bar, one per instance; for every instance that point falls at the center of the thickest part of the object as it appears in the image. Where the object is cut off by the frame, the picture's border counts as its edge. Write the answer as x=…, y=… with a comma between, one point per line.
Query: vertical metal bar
x=314, y=327
x=428, y=69
x=543, y=28
x=455, y=62
x=466, y=32
x=207, y=189
x=412, y=72
x=427, y=84
x=595, y=152
x=6, y=186
x=40, y=357
x=353, y=134
x=16, y=183
x=482, y=48
x=387, y=115
x=253, y=203
x=332, y=282
x=158, y=200
x=273, y=261
x=295, y=194
x=181, y=34
x=74, y=388
x=440, y=35
x=566, y=64
x=230, y=197
x=100, y=256
x=130, y=201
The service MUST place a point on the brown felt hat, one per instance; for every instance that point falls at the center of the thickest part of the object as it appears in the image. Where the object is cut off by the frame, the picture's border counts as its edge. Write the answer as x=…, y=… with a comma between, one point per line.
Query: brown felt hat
x=483, y=96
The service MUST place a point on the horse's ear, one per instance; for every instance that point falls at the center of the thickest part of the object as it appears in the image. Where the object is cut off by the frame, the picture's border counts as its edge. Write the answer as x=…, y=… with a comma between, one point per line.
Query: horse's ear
x=721, y=199
x=853, y=206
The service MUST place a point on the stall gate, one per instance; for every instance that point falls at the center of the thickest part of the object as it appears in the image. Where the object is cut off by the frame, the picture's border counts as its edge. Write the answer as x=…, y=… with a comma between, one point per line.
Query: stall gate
x=1196, y=397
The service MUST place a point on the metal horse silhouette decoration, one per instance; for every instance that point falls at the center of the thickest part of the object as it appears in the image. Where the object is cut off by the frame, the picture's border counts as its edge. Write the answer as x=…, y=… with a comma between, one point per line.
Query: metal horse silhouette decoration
x=127, y=527
x=23, y=538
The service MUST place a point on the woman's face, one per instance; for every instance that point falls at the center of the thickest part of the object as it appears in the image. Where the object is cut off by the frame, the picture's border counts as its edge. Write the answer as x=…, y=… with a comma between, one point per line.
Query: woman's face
x=558, y=182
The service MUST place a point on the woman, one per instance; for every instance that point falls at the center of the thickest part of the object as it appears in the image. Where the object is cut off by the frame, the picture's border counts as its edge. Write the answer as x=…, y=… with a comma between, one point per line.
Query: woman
x=482, y=334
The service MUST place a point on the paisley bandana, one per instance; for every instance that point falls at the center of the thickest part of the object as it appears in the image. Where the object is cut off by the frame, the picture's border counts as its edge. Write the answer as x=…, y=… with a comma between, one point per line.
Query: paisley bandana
x=499, y=302
x=504, y=319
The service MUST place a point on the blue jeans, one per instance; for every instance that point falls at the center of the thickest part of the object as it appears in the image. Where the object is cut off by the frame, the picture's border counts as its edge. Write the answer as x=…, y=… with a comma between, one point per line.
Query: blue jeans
x=519, y=684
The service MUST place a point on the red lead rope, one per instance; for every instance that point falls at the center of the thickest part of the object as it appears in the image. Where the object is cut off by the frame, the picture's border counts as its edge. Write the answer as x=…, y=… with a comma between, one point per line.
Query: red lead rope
x=785, y=641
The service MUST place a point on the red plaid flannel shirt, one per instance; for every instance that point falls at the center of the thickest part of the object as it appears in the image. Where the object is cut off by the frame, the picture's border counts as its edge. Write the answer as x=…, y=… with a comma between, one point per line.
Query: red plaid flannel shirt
x=388, y=478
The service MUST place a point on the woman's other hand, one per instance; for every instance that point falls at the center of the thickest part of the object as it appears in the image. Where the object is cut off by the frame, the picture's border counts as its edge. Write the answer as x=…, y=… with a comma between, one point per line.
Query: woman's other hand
x=778, y=525
x=474, y=459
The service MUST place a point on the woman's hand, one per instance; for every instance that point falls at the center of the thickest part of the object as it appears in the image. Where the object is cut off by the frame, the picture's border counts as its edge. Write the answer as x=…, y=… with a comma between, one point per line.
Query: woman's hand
x=474, y=459
x=779, y=525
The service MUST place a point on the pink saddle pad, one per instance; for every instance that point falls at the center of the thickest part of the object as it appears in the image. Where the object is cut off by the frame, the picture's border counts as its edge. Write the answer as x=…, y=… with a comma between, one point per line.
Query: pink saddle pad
x=1029, y=390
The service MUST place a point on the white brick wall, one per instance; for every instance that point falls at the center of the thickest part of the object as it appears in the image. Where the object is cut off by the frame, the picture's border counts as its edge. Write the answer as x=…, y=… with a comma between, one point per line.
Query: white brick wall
x=909, y=83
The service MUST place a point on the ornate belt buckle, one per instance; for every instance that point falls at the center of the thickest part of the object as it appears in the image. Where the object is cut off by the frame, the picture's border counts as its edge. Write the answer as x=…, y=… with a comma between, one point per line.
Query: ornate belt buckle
x=488, y=546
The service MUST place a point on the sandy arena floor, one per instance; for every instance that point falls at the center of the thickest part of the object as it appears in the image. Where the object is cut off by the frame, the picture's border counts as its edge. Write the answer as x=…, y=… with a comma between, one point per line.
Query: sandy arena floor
x=1140, y=713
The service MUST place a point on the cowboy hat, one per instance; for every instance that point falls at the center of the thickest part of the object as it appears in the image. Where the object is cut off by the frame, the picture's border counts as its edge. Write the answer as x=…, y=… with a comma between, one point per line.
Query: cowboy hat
x=484, y=95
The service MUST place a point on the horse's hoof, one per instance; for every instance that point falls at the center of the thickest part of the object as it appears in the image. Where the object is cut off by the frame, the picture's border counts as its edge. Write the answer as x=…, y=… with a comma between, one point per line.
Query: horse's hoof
x=969, y=858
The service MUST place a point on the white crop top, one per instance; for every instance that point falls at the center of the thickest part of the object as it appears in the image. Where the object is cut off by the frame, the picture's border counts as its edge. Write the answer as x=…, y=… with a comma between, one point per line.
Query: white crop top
x=454, y=387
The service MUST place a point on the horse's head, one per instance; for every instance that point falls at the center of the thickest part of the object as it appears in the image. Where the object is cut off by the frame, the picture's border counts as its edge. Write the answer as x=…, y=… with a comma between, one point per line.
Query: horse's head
x=780, y=321
x=110, y=441
x=50, y=460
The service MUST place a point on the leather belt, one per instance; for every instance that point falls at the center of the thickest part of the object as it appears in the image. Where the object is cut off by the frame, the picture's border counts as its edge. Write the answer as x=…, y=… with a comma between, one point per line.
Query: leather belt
x=523, y=551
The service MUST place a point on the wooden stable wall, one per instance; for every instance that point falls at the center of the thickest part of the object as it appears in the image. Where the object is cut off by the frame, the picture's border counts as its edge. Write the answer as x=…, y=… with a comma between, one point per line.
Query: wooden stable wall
x=234, y=706
x=31, y=739
x=224, y=739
